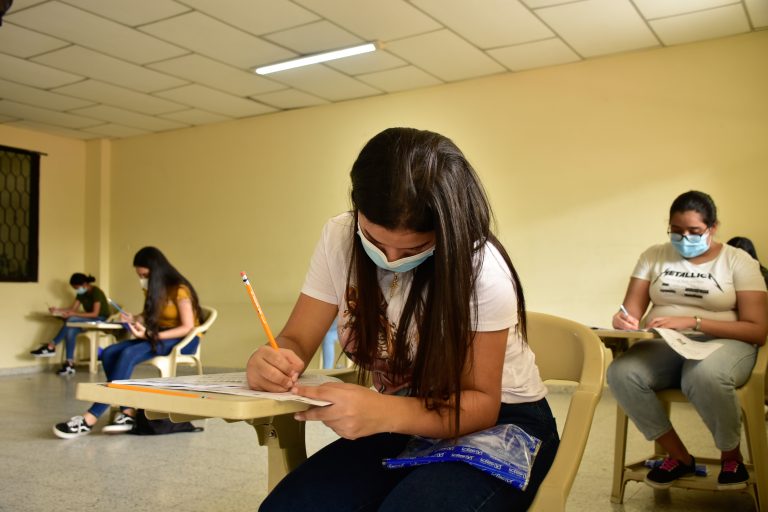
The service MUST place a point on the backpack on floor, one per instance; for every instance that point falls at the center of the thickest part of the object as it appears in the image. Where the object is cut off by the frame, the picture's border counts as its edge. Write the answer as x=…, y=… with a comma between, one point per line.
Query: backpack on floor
x=147, y=427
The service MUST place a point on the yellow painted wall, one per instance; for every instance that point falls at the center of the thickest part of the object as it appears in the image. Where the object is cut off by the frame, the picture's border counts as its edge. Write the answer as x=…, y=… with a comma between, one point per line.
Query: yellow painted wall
x=581, y=162
x=62, y=243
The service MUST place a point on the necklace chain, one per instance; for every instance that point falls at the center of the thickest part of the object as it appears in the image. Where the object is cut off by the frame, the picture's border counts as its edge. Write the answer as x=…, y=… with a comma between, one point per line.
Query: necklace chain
x=393, y=286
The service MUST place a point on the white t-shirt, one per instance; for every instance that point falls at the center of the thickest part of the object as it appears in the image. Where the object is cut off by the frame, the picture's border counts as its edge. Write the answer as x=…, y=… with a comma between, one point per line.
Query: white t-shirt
x=496, y=309
x=681, y=288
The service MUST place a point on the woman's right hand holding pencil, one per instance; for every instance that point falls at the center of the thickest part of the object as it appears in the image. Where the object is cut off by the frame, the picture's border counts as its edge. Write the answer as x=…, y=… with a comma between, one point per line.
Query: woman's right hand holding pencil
x=273, y=370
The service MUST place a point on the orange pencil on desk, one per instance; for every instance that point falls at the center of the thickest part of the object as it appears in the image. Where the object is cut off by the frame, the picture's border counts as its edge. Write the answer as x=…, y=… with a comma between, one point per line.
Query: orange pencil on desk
x=256, y=306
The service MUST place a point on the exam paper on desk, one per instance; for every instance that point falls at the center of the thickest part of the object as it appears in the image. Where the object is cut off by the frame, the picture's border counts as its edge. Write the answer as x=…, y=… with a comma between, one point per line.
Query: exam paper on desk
x=685, y=346
x=231, y=384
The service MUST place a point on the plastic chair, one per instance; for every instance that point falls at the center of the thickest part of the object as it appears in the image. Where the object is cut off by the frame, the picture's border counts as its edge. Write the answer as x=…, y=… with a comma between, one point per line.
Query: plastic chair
x=751, y=397
x=567, y=351
x=96, y=339
x=168, y=364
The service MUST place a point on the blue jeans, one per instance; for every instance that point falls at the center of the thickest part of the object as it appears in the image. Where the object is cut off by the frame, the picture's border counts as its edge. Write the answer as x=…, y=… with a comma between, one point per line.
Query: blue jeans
x=69, y=334
x=120, y=359
x=710, y=385
x=348, y=475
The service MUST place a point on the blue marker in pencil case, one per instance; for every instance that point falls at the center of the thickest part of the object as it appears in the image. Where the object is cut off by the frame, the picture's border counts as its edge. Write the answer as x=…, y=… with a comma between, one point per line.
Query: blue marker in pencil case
x=701, y=469
x=504, y=451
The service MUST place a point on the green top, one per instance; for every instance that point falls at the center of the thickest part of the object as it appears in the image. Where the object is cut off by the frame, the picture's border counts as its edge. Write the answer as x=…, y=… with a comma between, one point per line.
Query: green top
x=91, y=297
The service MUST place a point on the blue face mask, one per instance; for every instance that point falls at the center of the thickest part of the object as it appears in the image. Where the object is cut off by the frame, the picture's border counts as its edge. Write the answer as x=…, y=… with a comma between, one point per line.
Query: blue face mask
x=401, y=265
x=688, y=249
x=80, y=290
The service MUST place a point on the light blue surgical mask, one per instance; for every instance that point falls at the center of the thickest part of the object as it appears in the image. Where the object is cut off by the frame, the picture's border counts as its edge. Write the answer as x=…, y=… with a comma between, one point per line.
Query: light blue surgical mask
x=81, y=290
x=687, y=248
x=401, y=265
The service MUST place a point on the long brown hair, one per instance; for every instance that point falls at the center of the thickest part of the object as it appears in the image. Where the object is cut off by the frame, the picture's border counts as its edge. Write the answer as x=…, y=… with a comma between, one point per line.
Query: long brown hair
x=163, y=278
x=420, y=181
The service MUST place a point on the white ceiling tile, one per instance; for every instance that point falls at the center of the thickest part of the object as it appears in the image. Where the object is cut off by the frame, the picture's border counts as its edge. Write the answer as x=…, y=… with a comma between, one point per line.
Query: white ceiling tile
x=651, y=9
x=400, y=79
x=290, y=98
x=86, y=29
x=31, y=73
x=23, y=4
x=18, y=110
x=367, y=62
x=255, y=16
x=445, y=55
x=38, y=97
x=54, y=130
x=108, y=69
x=758, y=12
x=550, y=52
x=314, y=38
x=374, y=19
x=599, y=27
x=123, y=117
x=685, y=28
x=203, y=70
x=216, y=101
x=194, y=116
x=487, y=23
x=113, y=95
x=325, y=82
x=115, y=131
x=215, y=39
x=19, y=41
x=533, y=4
x=135, y=12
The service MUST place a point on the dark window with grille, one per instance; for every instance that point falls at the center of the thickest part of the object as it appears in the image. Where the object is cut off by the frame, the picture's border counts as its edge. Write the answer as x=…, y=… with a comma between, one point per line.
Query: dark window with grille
x=19, y=191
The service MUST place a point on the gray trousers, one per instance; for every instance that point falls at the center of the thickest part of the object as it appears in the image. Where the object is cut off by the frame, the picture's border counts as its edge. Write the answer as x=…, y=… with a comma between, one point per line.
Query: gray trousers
x=710, y=384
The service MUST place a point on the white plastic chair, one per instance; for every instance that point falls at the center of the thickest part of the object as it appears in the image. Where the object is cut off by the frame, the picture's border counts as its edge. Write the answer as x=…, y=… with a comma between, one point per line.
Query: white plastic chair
x=96, y=339
x=168, y=364
x=567, y=351
x=751, y=397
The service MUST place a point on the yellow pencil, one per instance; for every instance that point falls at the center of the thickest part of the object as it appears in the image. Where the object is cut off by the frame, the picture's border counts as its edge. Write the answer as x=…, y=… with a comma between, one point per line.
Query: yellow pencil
x=152, y=390
x=259, y=312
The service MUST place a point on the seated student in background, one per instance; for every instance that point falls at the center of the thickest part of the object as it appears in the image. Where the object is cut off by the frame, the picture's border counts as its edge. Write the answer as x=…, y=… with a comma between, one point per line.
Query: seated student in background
x=745, y=244
x=430, y=306
x=94, y=307
x=692, y=283
x=171, y=311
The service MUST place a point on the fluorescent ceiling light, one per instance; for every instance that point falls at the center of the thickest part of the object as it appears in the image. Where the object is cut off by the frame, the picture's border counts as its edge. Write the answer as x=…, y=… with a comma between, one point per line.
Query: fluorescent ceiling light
x=314, y=59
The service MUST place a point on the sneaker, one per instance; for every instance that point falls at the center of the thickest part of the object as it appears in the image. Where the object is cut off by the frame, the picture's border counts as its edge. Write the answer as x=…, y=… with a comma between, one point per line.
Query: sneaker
x=733, y=475
x=75, y=427
x=120, y=425
x=66, y=369
x=669, y=471
x=44, y=351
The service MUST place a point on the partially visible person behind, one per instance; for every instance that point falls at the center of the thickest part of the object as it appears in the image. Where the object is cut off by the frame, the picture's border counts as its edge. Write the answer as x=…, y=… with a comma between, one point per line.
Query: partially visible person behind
x=171, y=311
x=94, y=306
x=745, y=244
x=692, y=283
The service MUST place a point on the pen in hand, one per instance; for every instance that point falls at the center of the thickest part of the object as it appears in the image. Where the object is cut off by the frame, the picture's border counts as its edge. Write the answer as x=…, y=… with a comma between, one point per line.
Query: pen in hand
x=624, y=310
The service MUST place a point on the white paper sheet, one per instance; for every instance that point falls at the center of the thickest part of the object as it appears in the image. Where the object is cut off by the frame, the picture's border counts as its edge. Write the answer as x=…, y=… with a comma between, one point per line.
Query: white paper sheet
x=231, y=384
x=685, y=346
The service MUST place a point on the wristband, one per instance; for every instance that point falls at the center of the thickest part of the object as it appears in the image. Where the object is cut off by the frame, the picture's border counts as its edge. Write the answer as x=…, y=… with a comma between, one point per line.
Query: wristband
x=698, y=323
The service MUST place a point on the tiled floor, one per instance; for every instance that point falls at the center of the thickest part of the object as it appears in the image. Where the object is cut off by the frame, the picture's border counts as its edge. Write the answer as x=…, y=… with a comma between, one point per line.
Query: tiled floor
x=223, y=468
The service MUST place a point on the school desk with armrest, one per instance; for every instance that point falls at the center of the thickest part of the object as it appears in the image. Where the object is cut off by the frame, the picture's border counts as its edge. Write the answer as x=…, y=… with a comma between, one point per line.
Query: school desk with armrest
x=98, y=335
x=272, y=419
x=567, y=351
x=751, y=397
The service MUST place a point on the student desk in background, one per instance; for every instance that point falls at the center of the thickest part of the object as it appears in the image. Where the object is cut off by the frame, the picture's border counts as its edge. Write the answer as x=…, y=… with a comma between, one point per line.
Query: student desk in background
x=273, y=419
x=92, y=331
